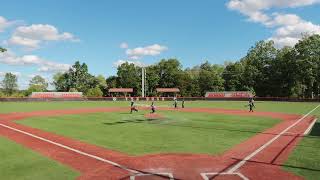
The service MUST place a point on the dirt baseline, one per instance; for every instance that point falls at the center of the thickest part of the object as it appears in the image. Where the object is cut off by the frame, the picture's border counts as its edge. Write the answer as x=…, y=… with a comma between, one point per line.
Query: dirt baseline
x=99, y=163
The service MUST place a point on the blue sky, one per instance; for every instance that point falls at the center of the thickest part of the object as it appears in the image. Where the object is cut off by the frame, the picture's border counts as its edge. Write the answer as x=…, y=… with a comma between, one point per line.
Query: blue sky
x=192, y=31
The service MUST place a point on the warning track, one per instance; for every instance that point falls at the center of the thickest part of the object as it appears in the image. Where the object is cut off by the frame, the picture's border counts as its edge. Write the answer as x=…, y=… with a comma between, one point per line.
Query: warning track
x=243, y=161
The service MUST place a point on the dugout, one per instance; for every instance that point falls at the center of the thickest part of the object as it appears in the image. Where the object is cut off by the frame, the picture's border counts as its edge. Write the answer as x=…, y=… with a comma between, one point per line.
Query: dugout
x=115, y=92
x=168, y=92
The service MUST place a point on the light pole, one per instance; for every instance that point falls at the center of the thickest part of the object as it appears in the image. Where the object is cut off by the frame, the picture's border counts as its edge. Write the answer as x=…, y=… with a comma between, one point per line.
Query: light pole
x=143, y=83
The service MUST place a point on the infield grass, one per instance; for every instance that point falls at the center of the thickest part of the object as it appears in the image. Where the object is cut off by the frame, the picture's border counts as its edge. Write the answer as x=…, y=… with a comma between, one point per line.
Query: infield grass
x=176, y=132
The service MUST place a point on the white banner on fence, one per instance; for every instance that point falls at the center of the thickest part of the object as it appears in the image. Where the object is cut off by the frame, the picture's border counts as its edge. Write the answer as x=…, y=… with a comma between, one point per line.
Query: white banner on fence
x=56, y=95
x=229, y=94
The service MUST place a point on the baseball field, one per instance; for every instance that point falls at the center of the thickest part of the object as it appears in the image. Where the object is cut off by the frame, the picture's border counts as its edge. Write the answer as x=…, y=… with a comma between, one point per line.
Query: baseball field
x=204, y=140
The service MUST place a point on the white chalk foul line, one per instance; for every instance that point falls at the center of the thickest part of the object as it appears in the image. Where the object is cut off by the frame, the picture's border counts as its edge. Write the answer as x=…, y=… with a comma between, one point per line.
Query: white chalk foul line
x=205, y=175
x=72, y=149
x=168, y=175
x=241, y=163
x=310, y=127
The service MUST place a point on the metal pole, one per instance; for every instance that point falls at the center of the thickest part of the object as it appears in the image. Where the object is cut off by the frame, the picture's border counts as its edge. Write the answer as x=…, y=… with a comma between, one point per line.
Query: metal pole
x=142, y=83
x=145, y=82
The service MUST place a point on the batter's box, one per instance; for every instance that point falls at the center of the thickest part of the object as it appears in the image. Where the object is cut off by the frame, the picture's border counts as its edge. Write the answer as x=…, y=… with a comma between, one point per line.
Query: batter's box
x=155, y=176
x=218, y=176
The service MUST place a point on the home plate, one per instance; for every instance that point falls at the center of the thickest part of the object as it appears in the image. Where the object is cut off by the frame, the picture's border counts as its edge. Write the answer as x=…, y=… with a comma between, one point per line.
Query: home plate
x=158, y=176
x=223, y=176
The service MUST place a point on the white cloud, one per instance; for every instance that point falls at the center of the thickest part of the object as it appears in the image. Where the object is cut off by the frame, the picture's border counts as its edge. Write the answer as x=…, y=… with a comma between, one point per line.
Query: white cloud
x=32, y=36
x=136, y=63
x=10, y=58
x=124, y=45
x=250, y=7
x=29, y=43
x=289, y=28
x=4, y=23
x=44, y=65
x=151, y=50
x=54, y=67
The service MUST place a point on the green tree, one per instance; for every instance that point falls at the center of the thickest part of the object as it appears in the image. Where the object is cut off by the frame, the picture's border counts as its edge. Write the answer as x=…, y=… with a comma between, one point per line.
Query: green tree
x=102, y=83
x=307, y=55
x=80, y=78
x=185, y=84
x=112, y=82
x=39, y=82
x=282, y=74
x=169, y=71
x=152, y=80
x=210, y=78
x=233, y=77
x=2, y=49
x=73, y=90
x=9, y=84
x=129, y=76
x=94, y=92
x=194, y=85
x=257, y=64
x=61, y=82
x=77, y=77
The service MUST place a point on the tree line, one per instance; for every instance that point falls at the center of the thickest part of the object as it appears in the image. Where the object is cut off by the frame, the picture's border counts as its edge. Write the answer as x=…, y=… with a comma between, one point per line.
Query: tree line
x=265, y=70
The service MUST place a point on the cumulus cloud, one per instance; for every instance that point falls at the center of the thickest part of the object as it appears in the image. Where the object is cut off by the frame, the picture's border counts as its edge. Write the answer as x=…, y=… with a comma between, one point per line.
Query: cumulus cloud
x=4, y=23
x=288, y=28
x=54, y=67
x=44, y=65
x=136, y=63
x=291, y=28
x=124, y=45
x=254, y=9
x=32, y=36
x=151, y=50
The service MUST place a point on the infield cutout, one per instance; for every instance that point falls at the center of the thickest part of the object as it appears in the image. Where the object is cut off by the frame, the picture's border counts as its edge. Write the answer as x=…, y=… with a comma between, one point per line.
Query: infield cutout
x=208, y=176
x=163, y=175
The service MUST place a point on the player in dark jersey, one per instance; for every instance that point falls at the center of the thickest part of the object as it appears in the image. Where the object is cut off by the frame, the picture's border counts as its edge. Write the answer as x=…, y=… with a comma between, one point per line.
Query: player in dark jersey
x=251, y=105
x=175, y=104
x=182, y=105
x=153, y=108
x=133, y=107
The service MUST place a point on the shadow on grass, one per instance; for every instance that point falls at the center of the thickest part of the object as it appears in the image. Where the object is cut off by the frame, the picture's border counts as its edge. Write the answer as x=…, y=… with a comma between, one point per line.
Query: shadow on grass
x=225, y=129
x=131, y=121
x=174, y=124
x=281, y=165
x=315, y=130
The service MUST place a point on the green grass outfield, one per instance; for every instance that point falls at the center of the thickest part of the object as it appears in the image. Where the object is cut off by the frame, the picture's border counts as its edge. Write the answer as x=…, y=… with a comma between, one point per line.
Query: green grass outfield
x=286, y=107
x=20, y=163
x=303, y=161
x=176, y=132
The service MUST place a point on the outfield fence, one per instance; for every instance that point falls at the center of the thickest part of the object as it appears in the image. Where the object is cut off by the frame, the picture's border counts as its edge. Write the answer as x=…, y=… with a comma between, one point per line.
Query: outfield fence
x=29, y=99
